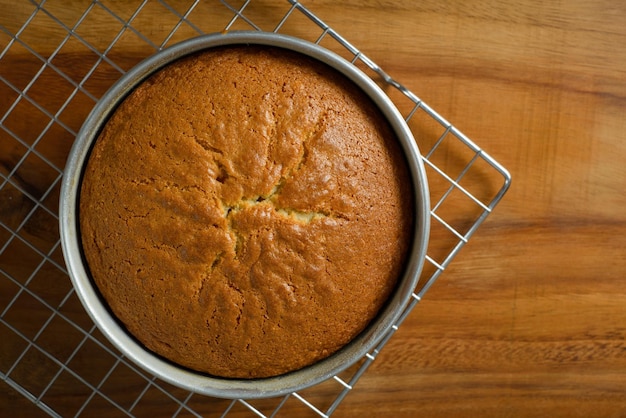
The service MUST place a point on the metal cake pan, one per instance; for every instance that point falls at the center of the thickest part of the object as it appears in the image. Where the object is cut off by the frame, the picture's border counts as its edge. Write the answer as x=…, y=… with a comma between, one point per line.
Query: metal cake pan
x=183, y=377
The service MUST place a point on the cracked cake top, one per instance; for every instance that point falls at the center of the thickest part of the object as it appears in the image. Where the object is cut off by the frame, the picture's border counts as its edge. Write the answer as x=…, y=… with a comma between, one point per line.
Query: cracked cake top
x=246, y=212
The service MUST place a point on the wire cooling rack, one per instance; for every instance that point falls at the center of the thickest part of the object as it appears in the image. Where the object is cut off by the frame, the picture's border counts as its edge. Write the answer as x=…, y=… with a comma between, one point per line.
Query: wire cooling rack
x=56, y=60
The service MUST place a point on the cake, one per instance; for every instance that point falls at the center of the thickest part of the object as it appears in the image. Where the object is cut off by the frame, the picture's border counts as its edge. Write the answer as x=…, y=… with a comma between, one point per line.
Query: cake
x=246, y=212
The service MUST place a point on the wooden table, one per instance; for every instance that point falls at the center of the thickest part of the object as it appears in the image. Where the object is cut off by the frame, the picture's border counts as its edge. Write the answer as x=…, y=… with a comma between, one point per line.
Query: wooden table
x=530, y=319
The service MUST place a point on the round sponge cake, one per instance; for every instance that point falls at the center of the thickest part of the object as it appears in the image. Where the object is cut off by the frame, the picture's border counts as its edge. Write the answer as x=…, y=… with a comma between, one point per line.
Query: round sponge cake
x=246, y=212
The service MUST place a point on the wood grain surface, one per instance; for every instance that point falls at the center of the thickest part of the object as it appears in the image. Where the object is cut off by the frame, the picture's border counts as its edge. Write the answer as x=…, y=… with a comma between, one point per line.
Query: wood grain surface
x=530, y=319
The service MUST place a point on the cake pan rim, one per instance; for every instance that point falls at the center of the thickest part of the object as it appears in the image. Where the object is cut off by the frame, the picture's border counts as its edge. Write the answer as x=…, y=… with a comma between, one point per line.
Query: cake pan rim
x=199, y=382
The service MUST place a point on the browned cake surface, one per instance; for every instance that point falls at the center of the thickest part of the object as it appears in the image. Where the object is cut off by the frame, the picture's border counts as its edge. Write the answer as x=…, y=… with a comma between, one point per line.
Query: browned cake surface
x=245, y=212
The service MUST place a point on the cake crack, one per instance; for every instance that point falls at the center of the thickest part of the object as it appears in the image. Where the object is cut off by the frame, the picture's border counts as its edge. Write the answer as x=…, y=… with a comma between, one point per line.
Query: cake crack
x=303, y=216
x=207, y=146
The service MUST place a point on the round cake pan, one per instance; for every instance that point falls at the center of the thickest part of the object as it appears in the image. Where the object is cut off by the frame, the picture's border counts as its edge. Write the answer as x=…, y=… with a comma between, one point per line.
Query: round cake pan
x=182, y=377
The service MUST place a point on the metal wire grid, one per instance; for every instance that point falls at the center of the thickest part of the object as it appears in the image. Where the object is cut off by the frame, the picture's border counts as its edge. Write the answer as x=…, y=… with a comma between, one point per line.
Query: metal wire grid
x=59, y=352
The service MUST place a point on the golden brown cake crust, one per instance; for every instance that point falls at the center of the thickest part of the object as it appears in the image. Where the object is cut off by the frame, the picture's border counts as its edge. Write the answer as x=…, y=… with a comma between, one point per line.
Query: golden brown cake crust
x=246, y=212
